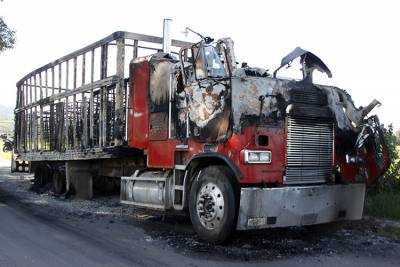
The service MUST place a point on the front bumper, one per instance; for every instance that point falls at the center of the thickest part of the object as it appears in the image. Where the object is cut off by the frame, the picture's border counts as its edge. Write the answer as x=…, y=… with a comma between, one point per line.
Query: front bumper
x=299, y=205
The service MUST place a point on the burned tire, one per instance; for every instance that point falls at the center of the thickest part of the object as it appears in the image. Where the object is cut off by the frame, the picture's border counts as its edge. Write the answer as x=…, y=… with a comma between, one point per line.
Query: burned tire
x=43, y=175
x=59, y=182
x=213, y=204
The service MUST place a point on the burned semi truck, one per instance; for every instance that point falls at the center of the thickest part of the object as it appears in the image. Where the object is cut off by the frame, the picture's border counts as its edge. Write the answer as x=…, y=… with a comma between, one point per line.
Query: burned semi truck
x=183, y=129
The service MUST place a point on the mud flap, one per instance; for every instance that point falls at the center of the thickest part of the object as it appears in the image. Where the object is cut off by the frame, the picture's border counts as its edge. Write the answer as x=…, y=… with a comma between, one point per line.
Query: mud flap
x=371, y=143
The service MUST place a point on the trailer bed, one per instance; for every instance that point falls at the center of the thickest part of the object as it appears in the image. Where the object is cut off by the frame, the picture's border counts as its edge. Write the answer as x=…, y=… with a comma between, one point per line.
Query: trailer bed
x=75, y=107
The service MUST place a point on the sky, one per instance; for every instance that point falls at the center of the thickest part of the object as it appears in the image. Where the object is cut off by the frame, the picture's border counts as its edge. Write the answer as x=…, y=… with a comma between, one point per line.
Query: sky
x=358, y=40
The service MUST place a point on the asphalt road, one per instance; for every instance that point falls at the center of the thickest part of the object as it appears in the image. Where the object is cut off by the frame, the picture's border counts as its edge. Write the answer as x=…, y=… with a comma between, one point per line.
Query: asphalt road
x=33, y=235
x=31, y=238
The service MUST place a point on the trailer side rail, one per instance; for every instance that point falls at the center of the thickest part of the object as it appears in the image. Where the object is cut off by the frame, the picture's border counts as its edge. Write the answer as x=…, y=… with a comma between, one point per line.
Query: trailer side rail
x=78, y=102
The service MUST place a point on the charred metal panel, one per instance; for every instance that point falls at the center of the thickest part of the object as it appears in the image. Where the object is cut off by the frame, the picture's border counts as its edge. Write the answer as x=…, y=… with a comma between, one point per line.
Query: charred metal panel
x=160, y=81
x=268, y=99
x=306, y=93
x=209, y=110
x=83, y=154
x=348, y=117
x=158, y=126
x=159, y=91
x=59, y=127
x=309, y=62
x=261, y=100
x=119, y=109
x=266, y=102
x=309, y=111
x=138, y=120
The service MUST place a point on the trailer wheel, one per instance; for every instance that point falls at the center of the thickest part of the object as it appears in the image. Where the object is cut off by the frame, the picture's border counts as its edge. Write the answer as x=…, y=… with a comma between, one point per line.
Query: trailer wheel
x=59, y=182
x=213, y=202
x=43, y=175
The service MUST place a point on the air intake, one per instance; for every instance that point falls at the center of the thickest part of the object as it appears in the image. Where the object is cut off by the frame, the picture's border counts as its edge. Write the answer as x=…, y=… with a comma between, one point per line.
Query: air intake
x=309, y=150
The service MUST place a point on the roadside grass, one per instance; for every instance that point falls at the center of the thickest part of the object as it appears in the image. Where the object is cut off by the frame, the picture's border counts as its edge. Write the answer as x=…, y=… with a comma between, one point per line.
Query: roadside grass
x=4, y=155
x=6, y=126
x=384, y=205
x=390, y=231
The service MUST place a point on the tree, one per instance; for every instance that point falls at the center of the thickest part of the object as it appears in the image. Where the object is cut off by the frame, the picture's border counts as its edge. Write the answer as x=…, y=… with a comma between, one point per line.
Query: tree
x=391, y=179
x=398, y=137
x=7, y=36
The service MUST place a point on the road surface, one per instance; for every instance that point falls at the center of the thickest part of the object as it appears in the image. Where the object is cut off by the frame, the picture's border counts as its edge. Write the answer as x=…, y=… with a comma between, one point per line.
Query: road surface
x=33, y=233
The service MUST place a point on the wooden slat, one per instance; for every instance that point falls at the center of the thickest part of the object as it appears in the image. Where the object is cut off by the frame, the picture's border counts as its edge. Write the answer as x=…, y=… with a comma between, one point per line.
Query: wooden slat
x=83, y=68
x=46, y=83
x=119, y=94
x=59, y=78
x=42, y=141
x=74, y=114
x=35, y=88
x=135, y=48
x=67, y=75
x=35, y=130
x=91, y=103
x=103, y=114
x=108, y=39
x=53, y=85
x=105, y=82
x=84, y=123
x=66, y=130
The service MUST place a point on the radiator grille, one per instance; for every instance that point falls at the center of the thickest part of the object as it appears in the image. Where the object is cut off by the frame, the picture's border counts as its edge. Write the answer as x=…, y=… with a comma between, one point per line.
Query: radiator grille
x=309, y=150
x=310, y=97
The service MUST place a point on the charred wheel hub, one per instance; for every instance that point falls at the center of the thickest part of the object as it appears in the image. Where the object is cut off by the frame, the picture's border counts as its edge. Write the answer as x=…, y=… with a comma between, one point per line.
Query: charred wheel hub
x=210, y=206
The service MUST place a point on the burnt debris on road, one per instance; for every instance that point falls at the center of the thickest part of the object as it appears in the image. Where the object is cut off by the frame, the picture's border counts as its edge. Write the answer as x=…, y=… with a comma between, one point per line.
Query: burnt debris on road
x=366, y=238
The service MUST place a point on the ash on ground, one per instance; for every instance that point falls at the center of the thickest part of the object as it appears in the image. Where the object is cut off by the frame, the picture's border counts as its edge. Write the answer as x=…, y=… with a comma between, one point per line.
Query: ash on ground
x=368, y=237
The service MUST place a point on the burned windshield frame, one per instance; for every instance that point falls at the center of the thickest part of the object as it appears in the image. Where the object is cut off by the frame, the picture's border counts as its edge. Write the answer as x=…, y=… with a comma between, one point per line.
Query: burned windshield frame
x=202, y=62
x=214, y=64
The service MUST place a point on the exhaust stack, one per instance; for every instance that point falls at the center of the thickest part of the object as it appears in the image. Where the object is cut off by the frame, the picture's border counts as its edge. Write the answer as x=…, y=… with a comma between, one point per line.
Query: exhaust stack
x=167, y=36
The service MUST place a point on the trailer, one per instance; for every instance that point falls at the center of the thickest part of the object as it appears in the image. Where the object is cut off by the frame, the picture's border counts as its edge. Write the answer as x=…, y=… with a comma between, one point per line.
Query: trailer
x=185, y=130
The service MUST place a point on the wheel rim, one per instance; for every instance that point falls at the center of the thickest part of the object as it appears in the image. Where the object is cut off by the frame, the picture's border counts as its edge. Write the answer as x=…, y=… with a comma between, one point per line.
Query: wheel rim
x=210, y=206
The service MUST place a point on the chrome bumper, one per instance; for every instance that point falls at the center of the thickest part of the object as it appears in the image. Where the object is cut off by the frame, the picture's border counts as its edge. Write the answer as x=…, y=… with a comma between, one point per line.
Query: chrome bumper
x=299, y=205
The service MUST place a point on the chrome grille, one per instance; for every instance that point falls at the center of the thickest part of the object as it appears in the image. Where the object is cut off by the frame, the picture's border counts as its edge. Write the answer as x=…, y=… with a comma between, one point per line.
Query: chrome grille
x=309, y=150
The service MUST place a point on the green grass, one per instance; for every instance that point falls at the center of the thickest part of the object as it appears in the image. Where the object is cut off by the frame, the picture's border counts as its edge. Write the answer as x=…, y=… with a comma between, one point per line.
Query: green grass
x=390, y=231
x=4, y=155
x=6, y=126
x=384, y=205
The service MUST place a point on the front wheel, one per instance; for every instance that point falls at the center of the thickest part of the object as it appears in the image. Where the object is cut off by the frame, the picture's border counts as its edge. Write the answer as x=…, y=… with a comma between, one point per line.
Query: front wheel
x=213, y=204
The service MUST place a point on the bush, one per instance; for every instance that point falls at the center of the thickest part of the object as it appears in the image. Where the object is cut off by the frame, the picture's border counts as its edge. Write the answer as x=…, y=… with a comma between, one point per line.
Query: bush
x=383, y=199
x=390, y=182
x=384, y=205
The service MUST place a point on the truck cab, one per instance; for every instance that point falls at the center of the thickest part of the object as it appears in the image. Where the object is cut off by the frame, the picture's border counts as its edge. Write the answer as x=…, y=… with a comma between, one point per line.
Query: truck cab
x=291, y=151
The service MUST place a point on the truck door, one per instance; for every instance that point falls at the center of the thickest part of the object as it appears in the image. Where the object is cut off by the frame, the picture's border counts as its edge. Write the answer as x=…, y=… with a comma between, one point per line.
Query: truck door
x=207, y=87
x=161, y=128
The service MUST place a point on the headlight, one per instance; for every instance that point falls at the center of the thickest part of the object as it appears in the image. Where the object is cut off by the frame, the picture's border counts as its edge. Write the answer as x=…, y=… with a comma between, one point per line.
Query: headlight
x=257, y=156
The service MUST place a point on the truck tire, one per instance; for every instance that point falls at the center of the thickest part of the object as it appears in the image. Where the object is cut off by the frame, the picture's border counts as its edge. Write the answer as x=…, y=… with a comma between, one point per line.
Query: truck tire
x=43, y=175
x=59, y=182
x=213, y=204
